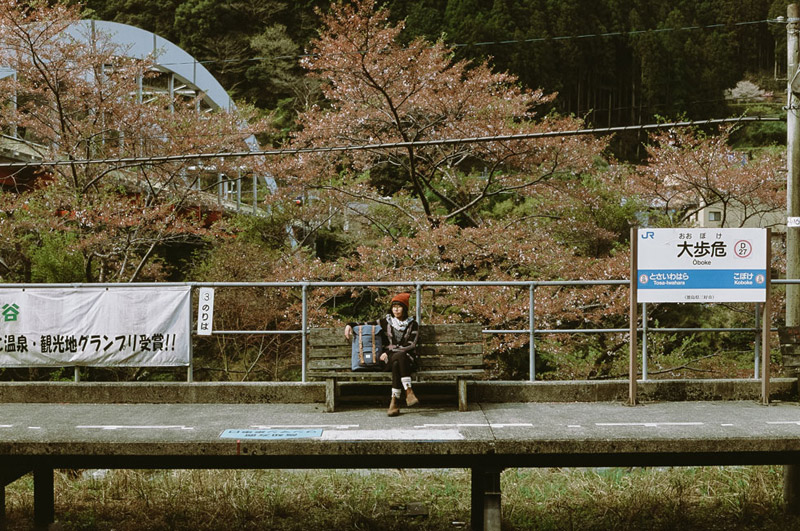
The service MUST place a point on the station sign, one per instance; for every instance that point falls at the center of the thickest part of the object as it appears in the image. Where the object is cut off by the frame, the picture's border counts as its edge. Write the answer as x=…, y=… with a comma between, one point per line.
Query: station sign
x=701, y=265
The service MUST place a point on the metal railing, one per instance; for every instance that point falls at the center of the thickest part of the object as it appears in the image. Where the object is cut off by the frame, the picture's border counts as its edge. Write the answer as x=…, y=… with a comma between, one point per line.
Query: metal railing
x=418, y=287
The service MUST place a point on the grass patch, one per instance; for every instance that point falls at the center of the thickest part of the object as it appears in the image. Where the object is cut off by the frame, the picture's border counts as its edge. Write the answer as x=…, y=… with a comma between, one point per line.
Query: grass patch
x=708, y=498
x=723, y=498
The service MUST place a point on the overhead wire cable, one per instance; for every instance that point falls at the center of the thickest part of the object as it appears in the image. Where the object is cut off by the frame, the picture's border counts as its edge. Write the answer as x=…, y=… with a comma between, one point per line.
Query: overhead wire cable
x=610, y=34
x=391, y=145
x=492, y=43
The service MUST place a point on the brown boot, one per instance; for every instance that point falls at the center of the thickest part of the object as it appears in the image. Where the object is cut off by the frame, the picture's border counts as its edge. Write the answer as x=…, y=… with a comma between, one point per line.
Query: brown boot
x=411, y=398
x=393, y=409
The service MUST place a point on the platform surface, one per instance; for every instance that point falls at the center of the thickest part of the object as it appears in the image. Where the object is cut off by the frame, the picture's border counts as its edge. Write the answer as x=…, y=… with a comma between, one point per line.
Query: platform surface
x=490, y=434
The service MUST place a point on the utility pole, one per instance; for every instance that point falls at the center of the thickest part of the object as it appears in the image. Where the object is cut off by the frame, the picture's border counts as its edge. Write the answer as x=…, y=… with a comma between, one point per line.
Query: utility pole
x=793, y=166
x=791, y=472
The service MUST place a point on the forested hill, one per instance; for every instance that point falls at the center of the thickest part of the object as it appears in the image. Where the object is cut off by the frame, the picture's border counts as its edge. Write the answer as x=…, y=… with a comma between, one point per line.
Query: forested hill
x=662, y=57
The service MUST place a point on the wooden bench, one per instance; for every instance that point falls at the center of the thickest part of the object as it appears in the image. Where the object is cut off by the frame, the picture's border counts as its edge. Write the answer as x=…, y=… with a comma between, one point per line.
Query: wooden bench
x=445, y=352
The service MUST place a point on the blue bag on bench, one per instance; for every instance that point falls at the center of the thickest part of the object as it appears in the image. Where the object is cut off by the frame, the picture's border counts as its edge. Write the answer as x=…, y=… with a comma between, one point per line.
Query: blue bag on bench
x=366, y=348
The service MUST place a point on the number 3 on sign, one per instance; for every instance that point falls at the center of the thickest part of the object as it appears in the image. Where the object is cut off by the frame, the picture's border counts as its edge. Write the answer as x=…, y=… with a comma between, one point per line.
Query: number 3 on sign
x=205, y=312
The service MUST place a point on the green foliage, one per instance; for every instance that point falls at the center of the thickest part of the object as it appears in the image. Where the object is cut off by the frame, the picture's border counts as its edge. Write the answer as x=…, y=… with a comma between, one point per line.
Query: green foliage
x=55, y=259
x=759, y=135
x=361, y=304
x=244, y=255
x=330, y=245
x=730, y=353
x=153, y=15
x=251, y=47
x=276, y=71
x=616, y=79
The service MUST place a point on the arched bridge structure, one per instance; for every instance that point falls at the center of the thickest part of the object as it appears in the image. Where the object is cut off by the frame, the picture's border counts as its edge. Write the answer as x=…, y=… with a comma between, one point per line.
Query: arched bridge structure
x=181, y=75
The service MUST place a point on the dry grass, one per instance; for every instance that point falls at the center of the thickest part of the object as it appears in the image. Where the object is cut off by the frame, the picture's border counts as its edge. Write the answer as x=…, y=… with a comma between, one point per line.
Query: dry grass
x=707, y=498
x=730, y=498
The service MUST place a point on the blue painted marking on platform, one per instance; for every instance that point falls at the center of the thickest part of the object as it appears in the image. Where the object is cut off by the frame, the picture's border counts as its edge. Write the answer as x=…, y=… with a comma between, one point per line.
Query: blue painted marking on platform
x=268, y=435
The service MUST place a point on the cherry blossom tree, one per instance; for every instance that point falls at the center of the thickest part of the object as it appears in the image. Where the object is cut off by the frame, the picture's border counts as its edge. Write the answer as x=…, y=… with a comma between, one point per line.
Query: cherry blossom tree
x=688, y=171
x=74, y=98
x=379, y=91
x=496, y=210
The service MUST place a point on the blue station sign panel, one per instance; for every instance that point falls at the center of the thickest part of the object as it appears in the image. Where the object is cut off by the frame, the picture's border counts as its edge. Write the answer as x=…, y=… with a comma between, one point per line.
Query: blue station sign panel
x=701, y=265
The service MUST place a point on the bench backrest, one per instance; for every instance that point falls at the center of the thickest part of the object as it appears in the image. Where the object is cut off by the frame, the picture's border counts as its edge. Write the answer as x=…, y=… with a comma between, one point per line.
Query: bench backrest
x=445, y=347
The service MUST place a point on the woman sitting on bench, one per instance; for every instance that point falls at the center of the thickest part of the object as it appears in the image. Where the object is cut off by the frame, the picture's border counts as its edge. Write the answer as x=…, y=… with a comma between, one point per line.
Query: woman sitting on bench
x=399, y=334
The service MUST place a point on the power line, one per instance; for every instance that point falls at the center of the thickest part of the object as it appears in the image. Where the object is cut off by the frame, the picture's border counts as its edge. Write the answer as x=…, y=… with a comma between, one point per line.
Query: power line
x=501, y=42
x=596, y=110
x=613, y=34
x=128, y=161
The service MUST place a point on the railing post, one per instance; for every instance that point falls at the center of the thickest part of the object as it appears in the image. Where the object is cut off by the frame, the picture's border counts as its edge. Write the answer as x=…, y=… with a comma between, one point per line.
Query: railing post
x=171, y=91
x=304, y=334
x=14, y=132
x=644, y=341
x=190, y=368
x=418, y=302
x=77, y=374
x=238, y=190
x=255, y=193
x=531, y=343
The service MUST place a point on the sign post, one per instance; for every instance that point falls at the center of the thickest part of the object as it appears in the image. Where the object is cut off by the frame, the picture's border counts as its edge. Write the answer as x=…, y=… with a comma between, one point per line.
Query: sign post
x=704, y=266
x=766, y=326
x=633, y=317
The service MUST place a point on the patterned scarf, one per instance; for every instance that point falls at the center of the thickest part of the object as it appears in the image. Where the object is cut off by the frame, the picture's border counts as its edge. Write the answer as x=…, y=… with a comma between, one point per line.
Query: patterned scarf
x=397, y=324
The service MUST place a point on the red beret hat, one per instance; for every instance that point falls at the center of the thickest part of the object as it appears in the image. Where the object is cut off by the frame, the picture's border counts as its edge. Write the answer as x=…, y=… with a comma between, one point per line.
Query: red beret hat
x=401, y=298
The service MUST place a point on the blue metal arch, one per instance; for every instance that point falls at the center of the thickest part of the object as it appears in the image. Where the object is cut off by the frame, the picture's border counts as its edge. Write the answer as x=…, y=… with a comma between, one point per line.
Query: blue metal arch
x=169, y=58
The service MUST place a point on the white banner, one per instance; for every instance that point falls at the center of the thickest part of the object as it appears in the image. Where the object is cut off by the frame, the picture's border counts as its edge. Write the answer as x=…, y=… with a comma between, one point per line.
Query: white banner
x=95, y=327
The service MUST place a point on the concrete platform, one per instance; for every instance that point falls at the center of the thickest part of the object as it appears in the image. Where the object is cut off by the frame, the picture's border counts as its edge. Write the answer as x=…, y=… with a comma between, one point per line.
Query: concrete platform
x=513, y=434
x=39, y=437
